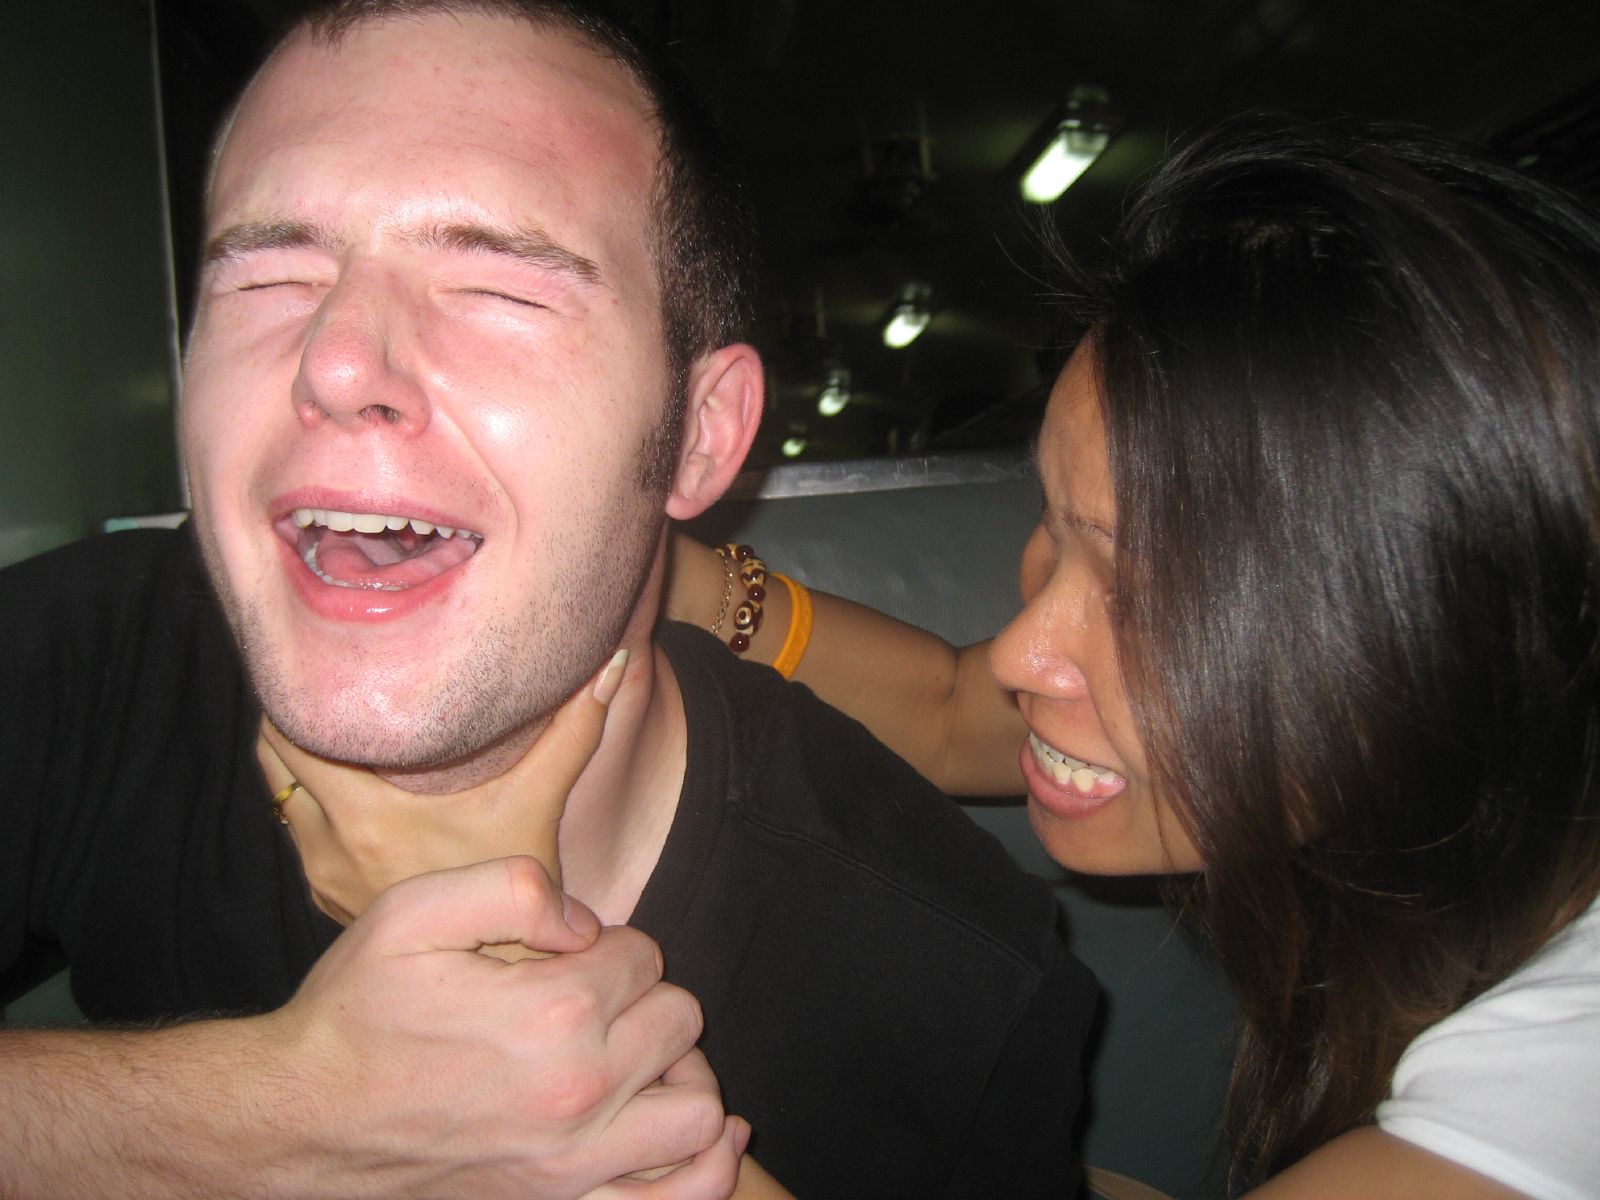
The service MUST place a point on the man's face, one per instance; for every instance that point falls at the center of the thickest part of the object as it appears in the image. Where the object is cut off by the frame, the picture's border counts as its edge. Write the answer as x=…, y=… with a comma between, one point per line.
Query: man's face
x=429, y=304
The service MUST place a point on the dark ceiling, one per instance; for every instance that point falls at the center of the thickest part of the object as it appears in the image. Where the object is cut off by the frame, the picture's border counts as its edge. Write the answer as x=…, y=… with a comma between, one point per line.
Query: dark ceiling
x=834, y=105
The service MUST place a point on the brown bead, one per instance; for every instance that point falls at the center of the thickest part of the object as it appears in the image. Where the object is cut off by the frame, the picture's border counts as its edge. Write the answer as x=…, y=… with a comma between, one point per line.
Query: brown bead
x=757, y=593
x=739, y=643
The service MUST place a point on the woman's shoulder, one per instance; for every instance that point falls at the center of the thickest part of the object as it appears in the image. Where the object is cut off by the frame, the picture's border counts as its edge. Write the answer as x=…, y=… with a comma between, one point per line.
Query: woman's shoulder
x=1508, y=1084
x=1566, y=968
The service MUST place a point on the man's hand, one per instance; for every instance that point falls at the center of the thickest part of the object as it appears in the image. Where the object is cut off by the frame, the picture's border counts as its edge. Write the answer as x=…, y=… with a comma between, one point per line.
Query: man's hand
x=533, y=1078
x=407, y=1065
x=485, y=1077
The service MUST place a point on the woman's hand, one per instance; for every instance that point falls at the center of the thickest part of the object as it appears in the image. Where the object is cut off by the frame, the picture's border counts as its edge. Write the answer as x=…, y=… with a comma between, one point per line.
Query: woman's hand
x=358, y=834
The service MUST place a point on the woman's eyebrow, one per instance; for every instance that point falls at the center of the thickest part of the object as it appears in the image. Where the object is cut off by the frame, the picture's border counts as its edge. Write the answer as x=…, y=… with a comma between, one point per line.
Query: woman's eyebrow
x=1064, y=514
x=1073, y=519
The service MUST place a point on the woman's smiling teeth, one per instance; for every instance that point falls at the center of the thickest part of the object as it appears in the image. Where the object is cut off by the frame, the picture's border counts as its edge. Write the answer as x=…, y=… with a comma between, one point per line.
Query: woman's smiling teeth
x=1068, y=771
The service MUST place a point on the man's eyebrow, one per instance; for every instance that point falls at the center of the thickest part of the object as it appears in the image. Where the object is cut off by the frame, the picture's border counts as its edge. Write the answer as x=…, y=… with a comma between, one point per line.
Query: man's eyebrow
x=247, y=236
x=532, y=246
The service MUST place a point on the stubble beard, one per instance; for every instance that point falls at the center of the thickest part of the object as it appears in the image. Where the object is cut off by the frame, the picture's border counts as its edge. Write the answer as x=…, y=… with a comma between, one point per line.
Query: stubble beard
x=515, y=670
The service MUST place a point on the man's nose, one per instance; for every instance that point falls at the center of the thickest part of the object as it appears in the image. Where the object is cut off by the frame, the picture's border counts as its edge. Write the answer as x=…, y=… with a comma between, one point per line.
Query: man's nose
x=359, y=364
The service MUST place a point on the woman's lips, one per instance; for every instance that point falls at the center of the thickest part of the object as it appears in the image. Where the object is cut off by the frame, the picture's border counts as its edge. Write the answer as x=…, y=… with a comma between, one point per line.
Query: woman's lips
x=1067, y=786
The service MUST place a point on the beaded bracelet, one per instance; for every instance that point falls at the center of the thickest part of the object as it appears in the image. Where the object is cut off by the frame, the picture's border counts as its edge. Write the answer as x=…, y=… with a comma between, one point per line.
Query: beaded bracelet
x=753, y=575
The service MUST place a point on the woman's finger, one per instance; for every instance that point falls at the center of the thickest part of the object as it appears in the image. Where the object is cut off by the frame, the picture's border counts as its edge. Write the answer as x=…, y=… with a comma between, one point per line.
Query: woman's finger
x=573, y=735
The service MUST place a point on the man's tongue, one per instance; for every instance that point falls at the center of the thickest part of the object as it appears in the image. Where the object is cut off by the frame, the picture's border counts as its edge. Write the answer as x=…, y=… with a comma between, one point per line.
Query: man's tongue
x=390, y=561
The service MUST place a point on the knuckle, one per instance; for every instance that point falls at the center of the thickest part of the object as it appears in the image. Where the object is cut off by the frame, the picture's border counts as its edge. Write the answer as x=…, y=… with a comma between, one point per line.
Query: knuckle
x=632, y=942
x=571, y=1011
x=682, y=1010
x=528, y=882
x=569, y=1093
x=702, y=1118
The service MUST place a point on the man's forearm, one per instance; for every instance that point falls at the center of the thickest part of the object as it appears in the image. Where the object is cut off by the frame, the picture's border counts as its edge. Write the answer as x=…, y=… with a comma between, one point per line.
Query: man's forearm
x=180, y=1112
x=408, y=1066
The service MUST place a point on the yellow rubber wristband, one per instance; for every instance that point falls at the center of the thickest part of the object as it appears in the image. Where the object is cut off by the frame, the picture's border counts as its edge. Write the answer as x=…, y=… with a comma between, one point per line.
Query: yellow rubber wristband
x=799, y=636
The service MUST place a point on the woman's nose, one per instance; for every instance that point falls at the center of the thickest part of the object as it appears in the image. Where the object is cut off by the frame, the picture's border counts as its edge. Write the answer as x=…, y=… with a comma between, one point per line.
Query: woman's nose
x=1038, y=653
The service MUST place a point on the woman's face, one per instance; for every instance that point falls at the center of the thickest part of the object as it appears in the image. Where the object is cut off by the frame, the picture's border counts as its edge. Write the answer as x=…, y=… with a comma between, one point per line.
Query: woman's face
x=1090, y=796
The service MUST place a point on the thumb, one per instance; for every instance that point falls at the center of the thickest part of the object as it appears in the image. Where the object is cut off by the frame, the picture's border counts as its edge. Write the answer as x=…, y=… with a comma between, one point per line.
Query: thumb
x=488, y=903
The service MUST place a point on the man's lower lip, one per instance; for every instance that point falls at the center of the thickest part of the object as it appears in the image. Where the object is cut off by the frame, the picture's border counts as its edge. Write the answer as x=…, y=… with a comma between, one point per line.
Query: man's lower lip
x=357, y=603
x=1054, y=798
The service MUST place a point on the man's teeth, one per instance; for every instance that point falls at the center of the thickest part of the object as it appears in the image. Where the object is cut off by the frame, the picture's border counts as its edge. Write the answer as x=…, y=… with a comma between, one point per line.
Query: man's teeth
x=1065, y=769
x=345, y=522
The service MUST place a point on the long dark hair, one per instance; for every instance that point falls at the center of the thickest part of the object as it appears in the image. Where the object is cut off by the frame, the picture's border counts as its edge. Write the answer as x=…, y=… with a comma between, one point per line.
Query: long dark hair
x=1351, y=381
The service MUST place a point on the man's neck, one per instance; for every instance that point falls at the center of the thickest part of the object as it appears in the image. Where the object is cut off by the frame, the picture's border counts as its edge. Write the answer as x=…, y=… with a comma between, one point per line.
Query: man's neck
x=358, y=835
x=621, y=809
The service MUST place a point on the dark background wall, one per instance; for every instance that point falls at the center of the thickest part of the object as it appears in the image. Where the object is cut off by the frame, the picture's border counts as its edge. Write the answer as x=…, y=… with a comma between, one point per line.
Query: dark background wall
x=85, y=336
x=817, y=96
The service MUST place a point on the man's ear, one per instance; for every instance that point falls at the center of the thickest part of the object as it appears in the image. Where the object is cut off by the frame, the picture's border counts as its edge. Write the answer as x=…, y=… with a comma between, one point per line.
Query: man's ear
x=726, y=391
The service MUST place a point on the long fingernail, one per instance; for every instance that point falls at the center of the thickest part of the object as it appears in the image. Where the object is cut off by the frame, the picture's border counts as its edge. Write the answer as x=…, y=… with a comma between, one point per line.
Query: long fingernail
x=610, y=680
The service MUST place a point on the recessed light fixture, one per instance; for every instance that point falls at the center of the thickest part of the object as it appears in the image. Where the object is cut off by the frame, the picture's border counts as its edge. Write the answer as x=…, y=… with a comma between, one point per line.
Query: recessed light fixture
x=1078, y=140
x=835, y=393
x=793, y=447
x=908, y=318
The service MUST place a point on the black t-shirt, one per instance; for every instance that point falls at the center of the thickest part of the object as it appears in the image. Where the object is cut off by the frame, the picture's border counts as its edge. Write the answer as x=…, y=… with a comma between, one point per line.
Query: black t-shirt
x=886, y=996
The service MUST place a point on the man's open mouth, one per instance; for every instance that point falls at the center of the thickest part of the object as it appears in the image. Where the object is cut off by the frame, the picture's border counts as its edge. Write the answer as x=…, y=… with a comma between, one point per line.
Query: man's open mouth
x=378, y=551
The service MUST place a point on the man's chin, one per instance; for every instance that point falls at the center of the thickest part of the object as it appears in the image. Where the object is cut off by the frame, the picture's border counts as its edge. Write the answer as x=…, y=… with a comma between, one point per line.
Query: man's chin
x=382, y=745
x=427, y=736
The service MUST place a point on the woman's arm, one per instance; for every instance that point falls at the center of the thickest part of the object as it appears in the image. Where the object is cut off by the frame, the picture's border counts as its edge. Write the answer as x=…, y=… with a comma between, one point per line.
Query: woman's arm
x=1368, y=1164
x=934, y=705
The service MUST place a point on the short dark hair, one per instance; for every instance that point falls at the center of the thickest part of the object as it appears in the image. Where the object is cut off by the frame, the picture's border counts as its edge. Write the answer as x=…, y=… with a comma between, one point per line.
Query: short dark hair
x=1351, y=384
x=703, y=229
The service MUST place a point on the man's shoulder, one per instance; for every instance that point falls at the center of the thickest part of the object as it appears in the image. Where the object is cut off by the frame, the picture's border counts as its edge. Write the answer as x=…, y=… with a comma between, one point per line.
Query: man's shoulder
x=137, y=599
x=801, y=773
x=104, y=566
x=875, y=970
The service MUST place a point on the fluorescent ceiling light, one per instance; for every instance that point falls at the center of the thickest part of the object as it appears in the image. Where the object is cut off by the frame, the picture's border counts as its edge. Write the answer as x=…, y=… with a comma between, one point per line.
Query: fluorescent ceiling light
x=832, y=399
x=1071, y=152
x=835, y=394
x=905, y=324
